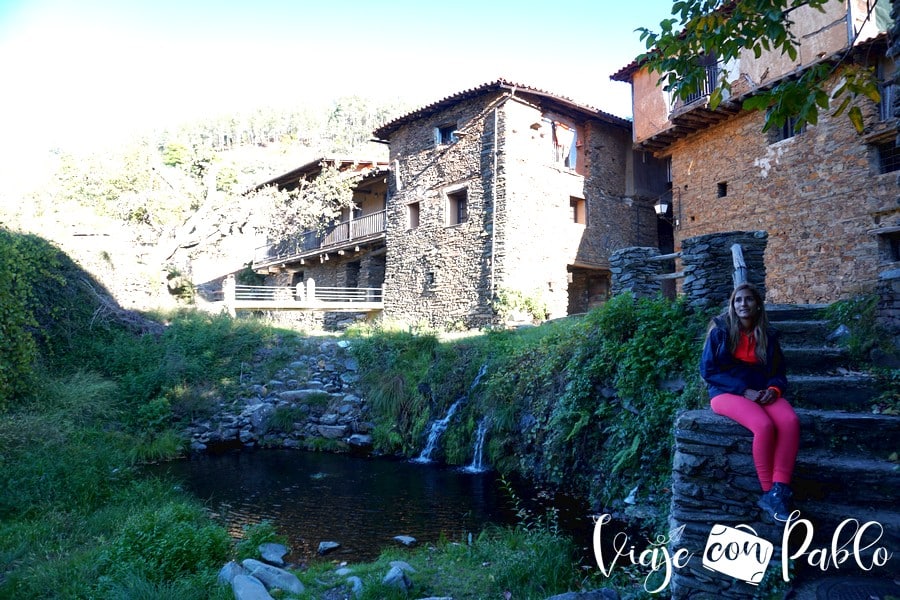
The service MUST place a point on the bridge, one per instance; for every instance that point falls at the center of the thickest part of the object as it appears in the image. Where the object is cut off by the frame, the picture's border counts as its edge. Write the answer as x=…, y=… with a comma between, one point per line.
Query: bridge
x=305, y=297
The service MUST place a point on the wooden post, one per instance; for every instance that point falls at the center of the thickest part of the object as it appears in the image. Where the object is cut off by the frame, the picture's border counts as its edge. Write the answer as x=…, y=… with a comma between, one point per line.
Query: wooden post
x=740, y=267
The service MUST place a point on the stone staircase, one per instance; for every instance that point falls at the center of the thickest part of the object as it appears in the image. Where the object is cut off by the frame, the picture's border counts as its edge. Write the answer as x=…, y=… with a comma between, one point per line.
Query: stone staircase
x=844, y=471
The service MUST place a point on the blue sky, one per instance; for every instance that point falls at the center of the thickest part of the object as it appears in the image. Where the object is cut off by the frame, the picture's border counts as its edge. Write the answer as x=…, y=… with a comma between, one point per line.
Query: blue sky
x=79, y=70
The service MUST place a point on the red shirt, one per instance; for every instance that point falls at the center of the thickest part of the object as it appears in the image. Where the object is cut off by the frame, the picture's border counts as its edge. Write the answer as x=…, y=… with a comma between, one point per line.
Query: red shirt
x=746, y=348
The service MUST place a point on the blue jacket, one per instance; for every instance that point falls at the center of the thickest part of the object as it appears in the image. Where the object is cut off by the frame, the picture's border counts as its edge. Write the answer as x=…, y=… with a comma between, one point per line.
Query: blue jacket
x=724, y=373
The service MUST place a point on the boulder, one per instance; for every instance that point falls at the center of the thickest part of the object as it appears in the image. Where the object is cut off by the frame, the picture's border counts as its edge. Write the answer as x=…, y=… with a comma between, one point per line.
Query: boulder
x=397, y=578
x=273, y=553
x=332, y=432
x=406, y=540
x=326, y=547
x=229, y=572
x=246, y=587
x=356, y=586
x=403, y=566
x=360, y=440
x=273, y=577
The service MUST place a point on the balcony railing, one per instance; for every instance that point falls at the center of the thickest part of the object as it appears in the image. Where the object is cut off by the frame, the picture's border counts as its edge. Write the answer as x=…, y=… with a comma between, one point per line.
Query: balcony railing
x=314, y=240
x=707, y=85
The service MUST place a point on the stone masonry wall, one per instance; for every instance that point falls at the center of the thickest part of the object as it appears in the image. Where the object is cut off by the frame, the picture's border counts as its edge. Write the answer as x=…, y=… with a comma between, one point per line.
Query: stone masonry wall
x=708, y=266
x=540, y=240
x=707, y=262
x=437, y=273
x=816, y=194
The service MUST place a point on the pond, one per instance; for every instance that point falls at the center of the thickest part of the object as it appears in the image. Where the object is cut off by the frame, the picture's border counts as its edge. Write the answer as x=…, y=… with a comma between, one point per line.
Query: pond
x=362, y=503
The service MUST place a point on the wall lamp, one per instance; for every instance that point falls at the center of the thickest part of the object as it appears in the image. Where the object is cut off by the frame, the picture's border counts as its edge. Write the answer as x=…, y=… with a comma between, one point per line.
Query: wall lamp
x=663, y=208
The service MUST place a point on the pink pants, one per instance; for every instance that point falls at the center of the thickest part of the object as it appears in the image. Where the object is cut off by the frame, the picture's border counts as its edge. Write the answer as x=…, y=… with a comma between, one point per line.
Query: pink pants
x=776, y=434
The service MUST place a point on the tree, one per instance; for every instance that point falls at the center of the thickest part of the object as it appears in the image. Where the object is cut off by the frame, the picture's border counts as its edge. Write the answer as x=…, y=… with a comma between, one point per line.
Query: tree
x=314, y=205
x=724, y=29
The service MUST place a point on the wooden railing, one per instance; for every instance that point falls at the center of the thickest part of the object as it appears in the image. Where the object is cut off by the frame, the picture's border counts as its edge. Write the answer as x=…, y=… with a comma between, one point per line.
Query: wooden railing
x=315, y=240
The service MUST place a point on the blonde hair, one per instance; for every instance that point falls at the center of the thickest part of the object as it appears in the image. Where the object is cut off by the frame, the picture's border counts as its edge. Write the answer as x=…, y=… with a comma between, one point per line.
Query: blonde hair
x=760, y=326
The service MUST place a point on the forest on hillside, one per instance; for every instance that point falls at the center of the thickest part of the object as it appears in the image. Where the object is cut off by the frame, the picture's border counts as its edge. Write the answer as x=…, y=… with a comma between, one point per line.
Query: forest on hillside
x=145, y=215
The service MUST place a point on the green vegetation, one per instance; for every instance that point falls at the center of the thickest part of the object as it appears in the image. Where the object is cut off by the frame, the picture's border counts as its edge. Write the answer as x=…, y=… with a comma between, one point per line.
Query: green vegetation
x=587, y=402
x=85, y=399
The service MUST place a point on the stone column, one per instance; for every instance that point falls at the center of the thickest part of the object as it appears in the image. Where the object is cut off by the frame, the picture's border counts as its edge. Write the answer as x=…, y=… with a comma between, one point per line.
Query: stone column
x=633, y=271
x=708, y=265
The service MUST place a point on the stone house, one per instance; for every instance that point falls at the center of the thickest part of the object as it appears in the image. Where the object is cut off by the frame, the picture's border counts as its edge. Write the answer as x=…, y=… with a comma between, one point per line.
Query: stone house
x=505, y=190
x=348, y=253
x=827, y=196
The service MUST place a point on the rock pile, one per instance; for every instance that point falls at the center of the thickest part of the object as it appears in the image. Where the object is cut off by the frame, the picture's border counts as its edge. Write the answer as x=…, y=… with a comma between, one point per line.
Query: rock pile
x=314, y=400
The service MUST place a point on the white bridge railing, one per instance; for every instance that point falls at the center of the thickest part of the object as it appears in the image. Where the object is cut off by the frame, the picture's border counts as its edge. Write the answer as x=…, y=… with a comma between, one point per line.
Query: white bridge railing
x=306, y=296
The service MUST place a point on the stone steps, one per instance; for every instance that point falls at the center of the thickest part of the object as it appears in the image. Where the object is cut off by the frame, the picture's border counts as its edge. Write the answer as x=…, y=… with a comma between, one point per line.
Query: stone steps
x=852, y=434
x=850, y=392
x=801, y=333
x=814, y=359
x=823, y=476
x=796, y=312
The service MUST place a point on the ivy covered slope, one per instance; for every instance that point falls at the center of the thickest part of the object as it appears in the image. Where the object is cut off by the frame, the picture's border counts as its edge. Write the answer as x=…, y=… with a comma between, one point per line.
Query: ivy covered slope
x=586, y=403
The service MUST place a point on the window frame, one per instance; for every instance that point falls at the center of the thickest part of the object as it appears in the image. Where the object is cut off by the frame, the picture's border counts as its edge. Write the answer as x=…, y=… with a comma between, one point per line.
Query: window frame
x=413, y=209
x=578, y=208
x=457, y=199
x=445, y=134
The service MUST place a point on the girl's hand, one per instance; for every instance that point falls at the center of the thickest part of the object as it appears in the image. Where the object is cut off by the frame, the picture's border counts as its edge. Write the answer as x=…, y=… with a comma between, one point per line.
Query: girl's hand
x=767, y=397
x=753, y=395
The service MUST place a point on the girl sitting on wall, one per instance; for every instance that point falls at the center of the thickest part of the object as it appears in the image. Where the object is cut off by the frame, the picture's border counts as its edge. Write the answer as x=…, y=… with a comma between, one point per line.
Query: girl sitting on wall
x=743, y=366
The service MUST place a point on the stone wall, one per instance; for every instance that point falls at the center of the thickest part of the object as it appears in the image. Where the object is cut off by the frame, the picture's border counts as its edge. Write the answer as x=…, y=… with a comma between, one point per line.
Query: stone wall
x=633, y=272
x=816, y=194
x=707, y=262
x=708, y=266
x=439, y=273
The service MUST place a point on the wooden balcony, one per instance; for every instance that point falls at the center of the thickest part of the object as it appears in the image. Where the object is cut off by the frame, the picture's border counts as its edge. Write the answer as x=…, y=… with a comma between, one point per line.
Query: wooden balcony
x=339, y=236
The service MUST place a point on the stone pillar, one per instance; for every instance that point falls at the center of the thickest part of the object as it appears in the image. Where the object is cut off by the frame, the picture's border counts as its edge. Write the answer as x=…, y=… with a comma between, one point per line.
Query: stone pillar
x=888, y=312
x=633, y=271
x=229, y=293
x=708, y=265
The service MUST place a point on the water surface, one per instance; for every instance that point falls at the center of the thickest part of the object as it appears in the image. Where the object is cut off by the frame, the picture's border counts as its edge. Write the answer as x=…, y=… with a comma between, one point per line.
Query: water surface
x=362, y=503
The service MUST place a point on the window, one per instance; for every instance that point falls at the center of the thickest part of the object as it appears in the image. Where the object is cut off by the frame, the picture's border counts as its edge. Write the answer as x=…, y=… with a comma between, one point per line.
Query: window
x=566, y=142
x=885, y=74
x=445, y=134
x=412, y=215
x=577, y=210
x=888, y=157
x=722, y=189
x=788, y=130
x=457, y=207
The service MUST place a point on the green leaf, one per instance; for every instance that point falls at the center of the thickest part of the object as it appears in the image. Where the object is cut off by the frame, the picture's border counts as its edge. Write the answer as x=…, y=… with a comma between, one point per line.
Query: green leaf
x=856, y=117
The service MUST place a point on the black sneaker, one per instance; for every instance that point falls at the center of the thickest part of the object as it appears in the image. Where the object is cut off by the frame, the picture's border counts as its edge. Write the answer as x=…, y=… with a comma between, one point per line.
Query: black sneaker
x=776, y=502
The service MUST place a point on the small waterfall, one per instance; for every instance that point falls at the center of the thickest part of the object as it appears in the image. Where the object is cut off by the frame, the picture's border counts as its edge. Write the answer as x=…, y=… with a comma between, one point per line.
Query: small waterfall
x=477, y=464
x=440, y=426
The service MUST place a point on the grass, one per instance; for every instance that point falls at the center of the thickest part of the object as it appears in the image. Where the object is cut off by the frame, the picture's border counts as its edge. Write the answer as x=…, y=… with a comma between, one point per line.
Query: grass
x=525, y=564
